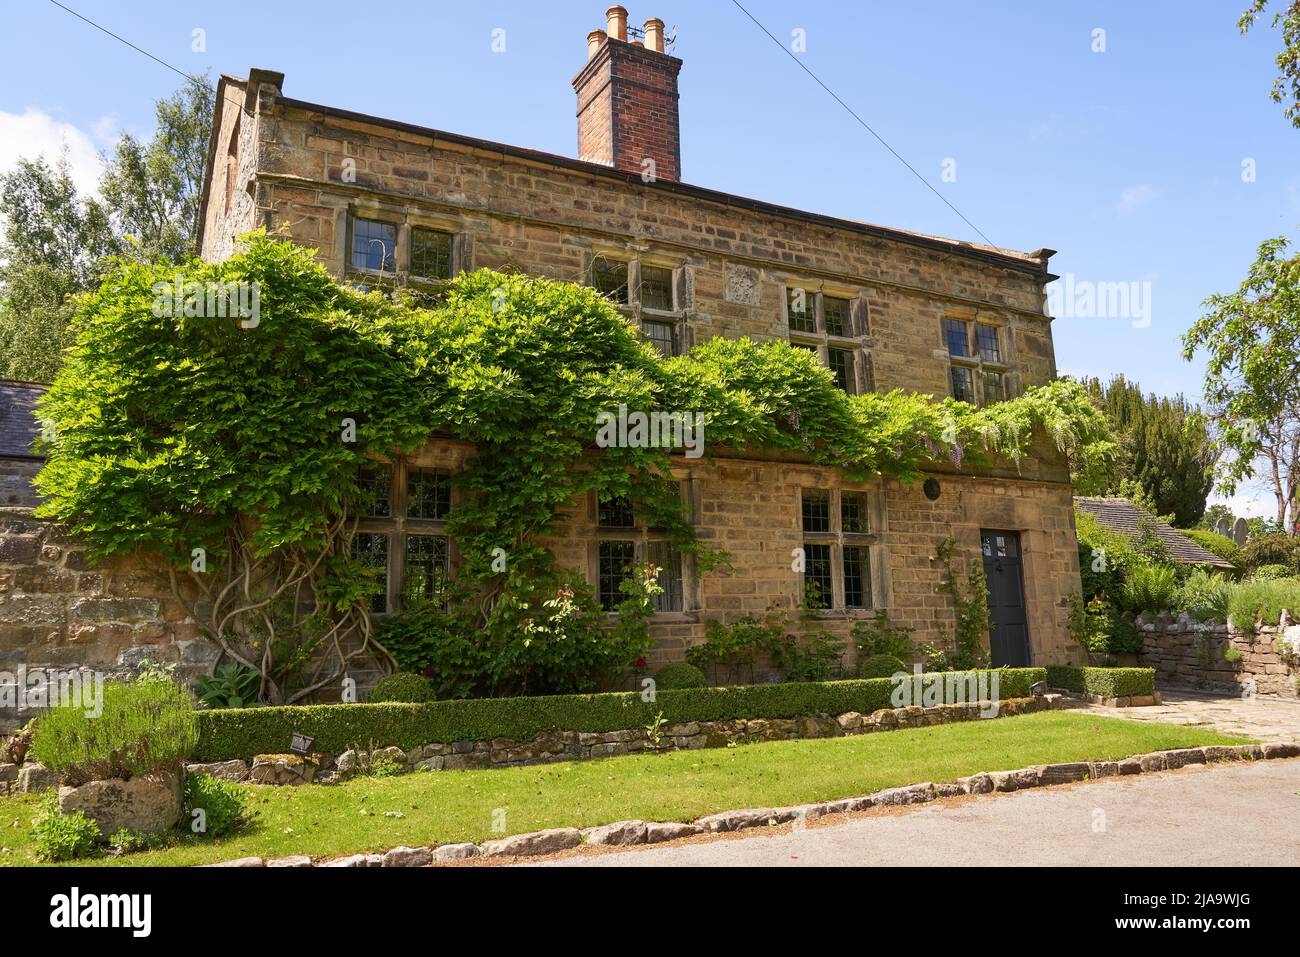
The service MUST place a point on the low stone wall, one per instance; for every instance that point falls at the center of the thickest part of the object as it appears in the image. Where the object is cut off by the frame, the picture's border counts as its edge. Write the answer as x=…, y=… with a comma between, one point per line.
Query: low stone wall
x=583, y=745
x=1186, y=653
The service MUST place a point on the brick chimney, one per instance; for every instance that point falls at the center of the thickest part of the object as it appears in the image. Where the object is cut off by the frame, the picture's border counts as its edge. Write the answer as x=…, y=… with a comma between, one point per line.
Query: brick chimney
x=627, y=100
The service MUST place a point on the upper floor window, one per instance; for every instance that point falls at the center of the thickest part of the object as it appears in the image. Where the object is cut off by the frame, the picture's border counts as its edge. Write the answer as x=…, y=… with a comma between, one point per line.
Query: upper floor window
x=657, y=288
x=841, y=365
x=652, y=296
x=374, y=244
x=609, y=278
x=836, y=313
x=977, y=365
x=615, y=511
x=424, y=252
x=823, y=323
x=430, y=253
x=963, y=384
x=986, y=340
x=428, y=494
x=376, y=491
x=801, y=309
x=958, y=336
x=663, y=335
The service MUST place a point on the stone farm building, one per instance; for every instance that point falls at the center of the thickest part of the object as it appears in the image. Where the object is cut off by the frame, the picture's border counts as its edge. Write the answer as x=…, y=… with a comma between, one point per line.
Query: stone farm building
x=883, y=308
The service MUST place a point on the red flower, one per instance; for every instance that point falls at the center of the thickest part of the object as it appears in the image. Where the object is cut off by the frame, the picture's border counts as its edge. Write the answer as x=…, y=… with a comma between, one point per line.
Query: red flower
x=640, y=664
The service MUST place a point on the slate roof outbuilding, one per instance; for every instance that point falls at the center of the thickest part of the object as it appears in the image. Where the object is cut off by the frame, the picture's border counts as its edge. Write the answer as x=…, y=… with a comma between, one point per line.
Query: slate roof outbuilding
x=1121, y=515
x=18, y=425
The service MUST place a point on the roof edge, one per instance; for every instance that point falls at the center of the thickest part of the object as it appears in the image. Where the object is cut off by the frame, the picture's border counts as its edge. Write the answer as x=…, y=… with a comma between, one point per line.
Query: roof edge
x=1034, y=263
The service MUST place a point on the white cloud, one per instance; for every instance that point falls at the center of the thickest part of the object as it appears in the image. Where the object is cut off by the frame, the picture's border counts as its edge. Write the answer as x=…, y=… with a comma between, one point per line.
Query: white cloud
x=35, y=133
x=1135, y=196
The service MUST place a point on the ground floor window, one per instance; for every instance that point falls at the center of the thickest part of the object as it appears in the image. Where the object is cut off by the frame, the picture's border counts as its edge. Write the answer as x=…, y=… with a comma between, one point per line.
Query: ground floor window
x=838, y=536
x=401, y=533
x=616, y=558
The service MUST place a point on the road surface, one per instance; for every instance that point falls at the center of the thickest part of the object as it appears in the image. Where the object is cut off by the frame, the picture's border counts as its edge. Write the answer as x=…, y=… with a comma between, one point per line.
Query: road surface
x=1237, y=814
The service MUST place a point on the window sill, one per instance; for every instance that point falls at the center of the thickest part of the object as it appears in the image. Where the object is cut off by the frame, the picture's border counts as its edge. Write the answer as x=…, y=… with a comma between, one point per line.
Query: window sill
x=842, y=614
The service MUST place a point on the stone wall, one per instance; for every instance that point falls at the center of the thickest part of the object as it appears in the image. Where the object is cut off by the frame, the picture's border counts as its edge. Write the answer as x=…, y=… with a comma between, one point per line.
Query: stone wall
x=16, y=475
x=314, y=168
x=1185, y=653
x=59, y=610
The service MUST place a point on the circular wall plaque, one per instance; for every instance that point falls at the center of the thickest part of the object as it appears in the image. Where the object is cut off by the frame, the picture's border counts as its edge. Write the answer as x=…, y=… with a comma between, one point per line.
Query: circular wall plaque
x=931, y=489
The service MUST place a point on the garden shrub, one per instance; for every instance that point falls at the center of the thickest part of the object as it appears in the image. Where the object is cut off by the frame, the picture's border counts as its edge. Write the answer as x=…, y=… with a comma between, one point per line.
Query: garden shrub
x=125, y=841
x=544, y=635
x=1217, y=544
x=1107, y=682
x=63, y=837
x=729, y=648
x=1261, y=601
x=881, y=636
x=1100, y=628
x=1271, y=550
x=1149, y=588
x=336, y=728
x=880, y=666
x=679, y=675
x=403, y=687
x=222, y=802
x=146, y=726
x=810, y=657
x=1270, y=572
x=1104, y=557
x=232, y=685
x=1204, y=595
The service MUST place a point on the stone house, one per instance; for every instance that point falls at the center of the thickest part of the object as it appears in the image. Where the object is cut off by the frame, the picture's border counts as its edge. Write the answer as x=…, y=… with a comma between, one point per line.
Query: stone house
x=385, y=201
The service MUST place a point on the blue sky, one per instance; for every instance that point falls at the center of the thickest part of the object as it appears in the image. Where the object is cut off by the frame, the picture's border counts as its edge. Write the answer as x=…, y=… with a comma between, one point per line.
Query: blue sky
x=1127, y=161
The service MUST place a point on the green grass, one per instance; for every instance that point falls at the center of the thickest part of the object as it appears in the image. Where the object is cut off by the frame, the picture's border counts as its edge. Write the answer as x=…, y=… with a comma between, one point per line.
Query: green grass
x=445, y=806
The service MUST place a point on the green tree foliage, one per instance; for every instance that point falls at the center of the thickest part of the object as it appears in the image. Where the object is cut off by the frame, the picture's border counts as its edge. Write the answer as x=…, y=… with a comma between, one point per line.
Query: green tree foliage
x=1251, y=339
x=1166, y=455
x=56, y=242
x=1286, y=87
x=53, y=245
x=153, y=188
x=175, y=433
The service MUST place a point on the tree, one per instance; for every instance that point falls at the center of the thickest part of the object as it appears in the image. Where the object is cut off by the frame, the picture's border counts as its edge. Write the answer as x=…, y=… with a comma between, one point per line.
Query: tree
x=1252, y=373
x=153, y=189
x=53, y=246
x=1166, y=455
x=56, y=242
x=1210, y=520
x=1286, y=88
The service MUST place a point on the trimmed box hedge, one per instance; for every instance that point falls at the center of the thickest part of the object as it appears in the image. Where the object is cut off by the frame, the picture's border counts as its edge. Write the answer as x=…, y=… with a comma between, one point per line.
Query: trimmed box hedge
x=1107, y=682
x=242, y=733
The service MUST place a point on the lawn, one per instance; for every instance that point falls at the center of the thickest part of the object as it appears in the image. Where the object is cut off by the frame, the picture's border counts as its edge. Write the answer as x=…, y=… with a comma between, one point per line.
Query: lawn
x=373, y=814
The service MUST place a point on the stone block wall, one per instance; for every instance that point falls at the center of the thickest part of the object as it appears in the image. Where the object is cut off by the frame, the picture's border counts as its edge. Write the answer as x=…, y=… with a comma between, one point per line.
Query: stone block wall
x=58, y=610
x=16, y=475
x=311, y=169
x=1185, y=653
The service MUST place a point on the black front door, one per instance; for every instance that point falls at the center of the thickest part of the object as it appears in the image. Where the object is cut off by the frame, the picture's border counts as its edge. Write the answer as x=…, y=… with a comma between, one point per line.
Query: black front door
x=1009, y=629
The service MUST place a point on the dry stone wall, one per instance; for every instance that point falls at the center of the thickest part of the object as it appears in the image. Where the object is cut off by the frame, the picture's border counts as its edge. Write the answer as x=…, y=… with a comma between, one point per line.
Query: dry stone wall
x=1186, y=653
